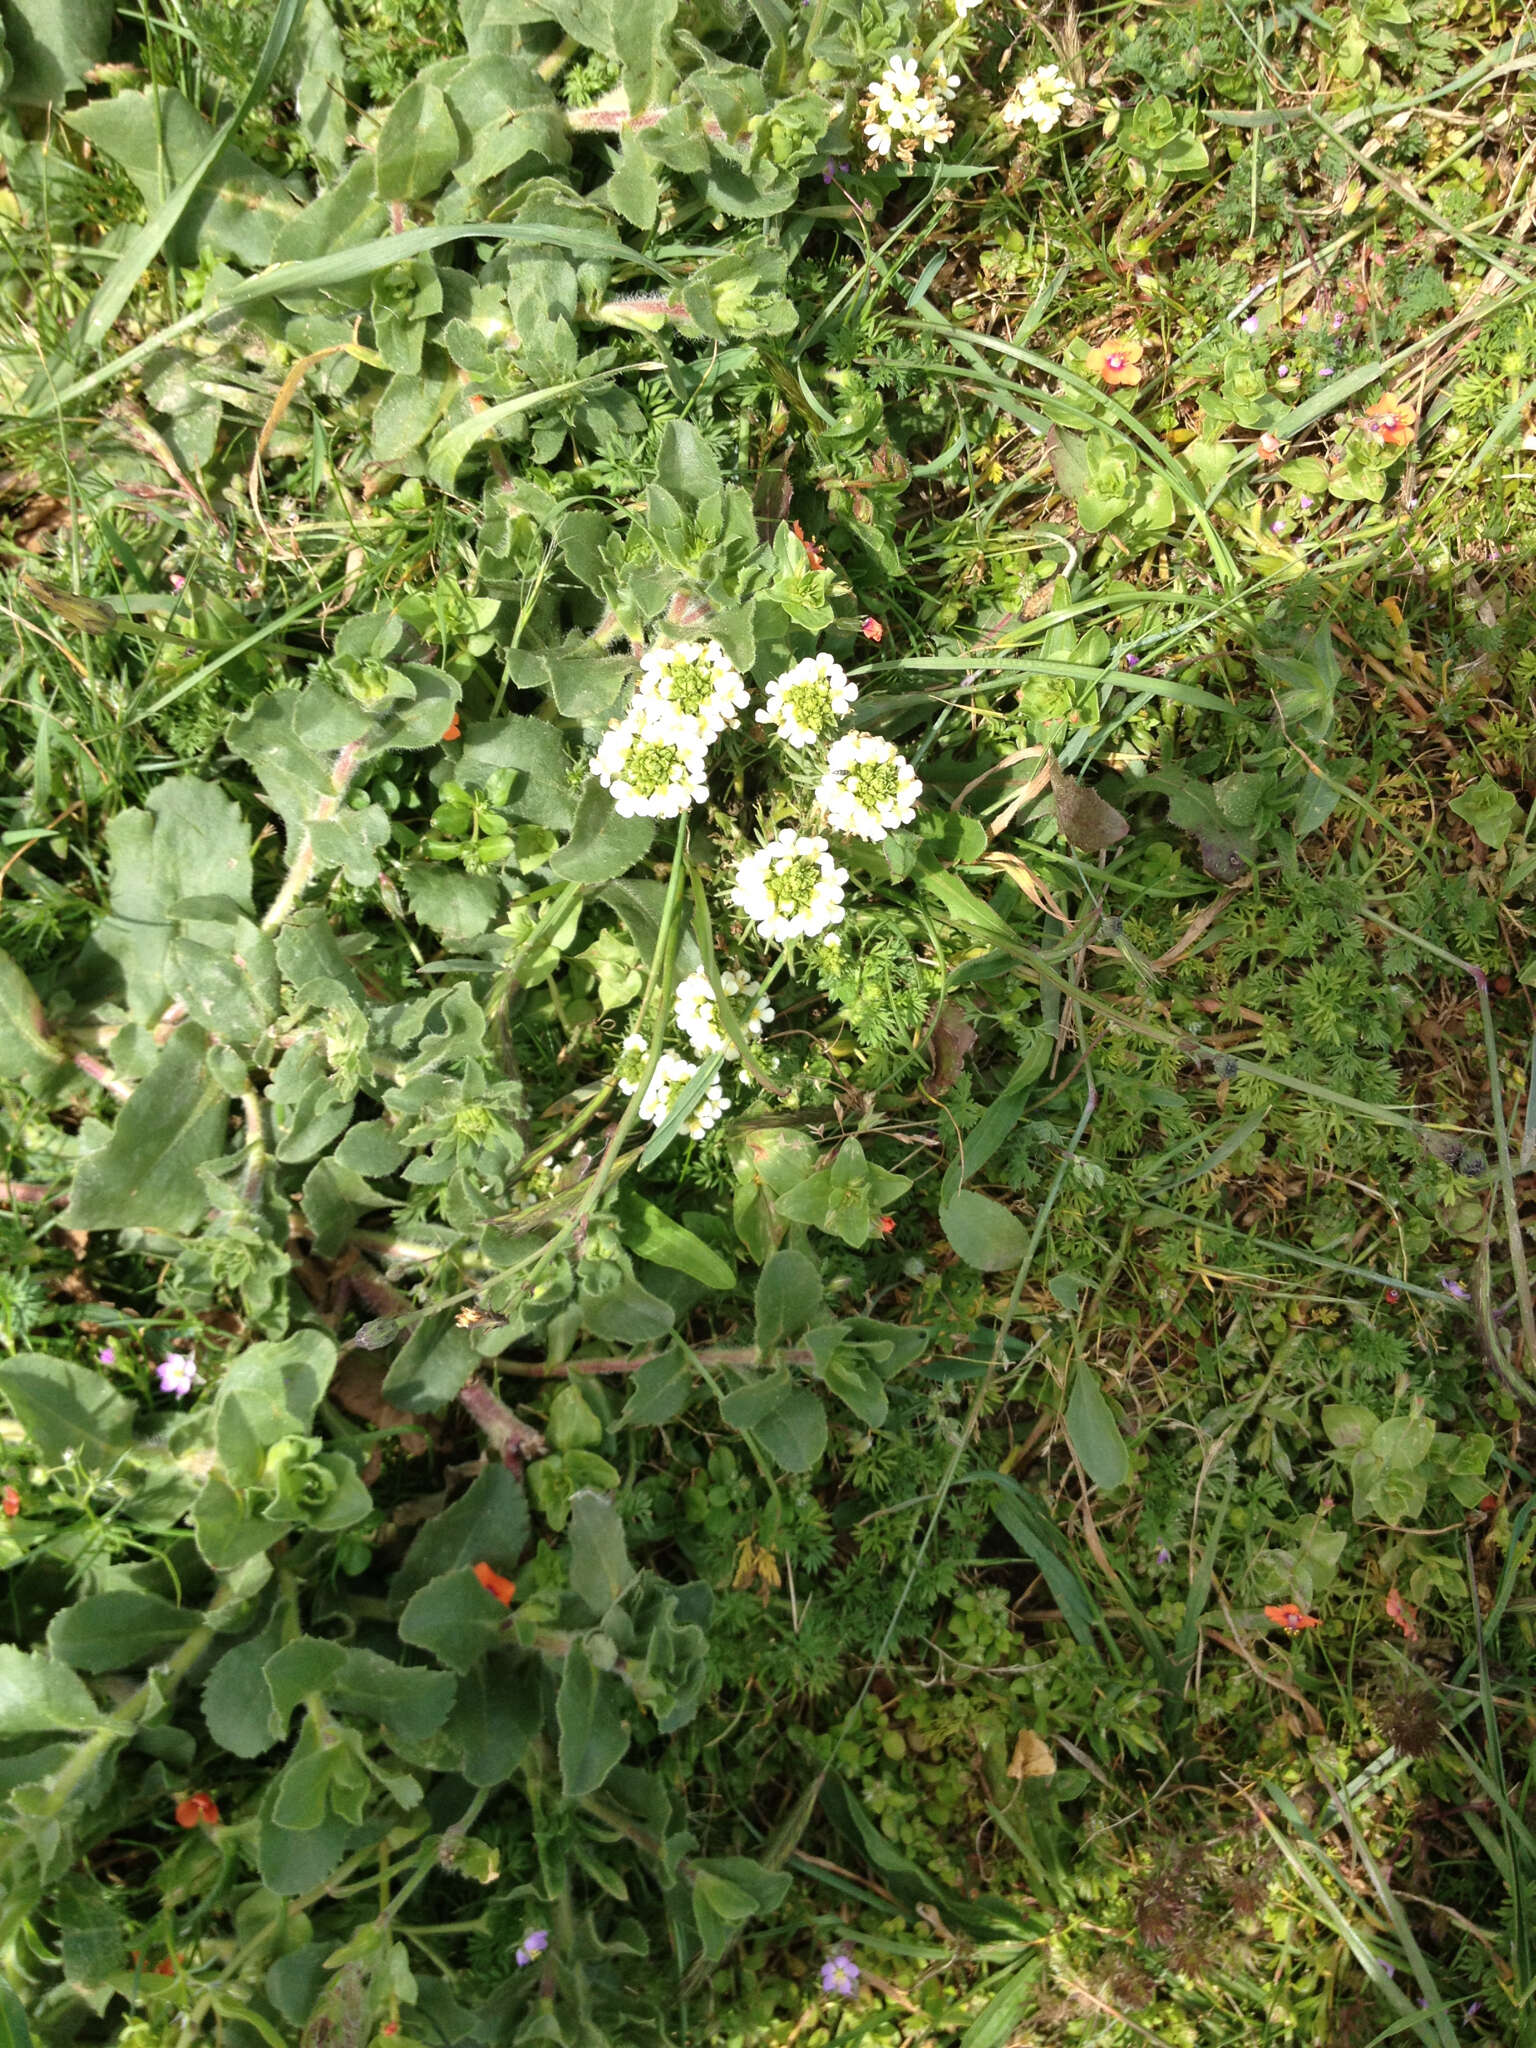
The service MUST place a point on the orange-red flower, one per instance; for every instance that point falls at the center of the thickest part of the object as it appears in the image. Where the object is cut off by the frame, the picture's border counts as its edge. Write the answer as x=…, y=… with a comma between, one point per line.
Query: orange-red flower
x=1290, y=1617
x=197, y=1810
x=499, y=1588
x=1405, y=1617
x=453, y=731
x=873, y=630
x=1390, y=420
x=887, y=1225
x=1269, y=447
x=813, y=555
x=10, y=1501
x=1115, y=362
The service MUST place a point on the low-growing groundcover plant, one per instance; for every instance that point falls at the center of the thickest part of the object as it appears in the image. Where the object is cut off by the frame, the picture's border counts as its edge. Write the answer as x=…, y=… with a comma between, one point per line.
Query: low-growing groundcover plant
x=765, y=1024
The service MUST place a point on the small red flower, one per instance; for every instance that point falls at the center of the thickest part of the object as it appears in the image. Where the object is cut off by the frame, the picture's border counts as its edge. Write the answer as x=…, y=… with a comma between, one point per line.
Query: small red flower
x=499, y=1588
x=1402, y=1615
x=873, y=630
x=454, y=731
x=1392, y=1297
x=1290, y=1617
x=10, y=1501
x=197, y=1810
x=1489, y=1504
x=887, y=1225
x=1269, y=447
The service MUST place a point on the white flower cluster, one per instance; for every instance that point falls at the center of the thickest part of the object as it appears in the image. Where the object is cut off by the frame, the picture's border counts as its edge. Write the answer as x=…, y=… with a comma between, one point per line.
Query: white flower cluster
x=965, y=7
x=791, y=888
x=808, y=702
x=695, y=681
x=1041, y=96
x=672, y=1075
x=652, y=761
x=868, y=788
x=904, y=112
x=698, y=1017
x=631, y=1063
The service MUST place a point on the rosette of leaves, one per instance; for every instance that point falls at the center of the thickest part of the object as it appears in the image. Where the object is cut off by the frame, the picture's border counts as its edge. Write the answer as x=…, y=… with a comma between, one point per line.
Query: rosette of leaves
x=1159, y=145
x=1111, y=486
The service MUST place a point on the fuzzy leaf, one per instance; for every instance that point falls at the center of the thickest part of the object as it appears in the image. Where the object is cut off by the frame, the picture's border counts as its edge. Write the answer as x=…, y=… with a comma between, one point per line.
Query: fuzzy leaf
x=1094, y=1433
x=145, y=1177
x=984, y=1233
x=418, y=145
x=65, y=1407
x=593, y=1732
x=25, y=1052
x=114, y=1631
x=41, y=1697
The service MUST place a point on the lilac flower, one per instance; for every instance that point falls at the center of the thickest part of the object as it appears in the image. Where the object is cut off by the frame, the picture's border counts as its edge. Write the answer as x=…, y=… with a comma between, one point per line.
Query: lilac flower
x=1338, y=322
x=1306, y=504
x=1251, y=324
x=1164, y=1554
x=832, y=168
x=840, y=1974
x=106, y=1355
x=177, y=1373
x=1455, y=1289
x=1133, y=661
x=1284, y=373
x=1277, y=526
x=535, y=1941
x=1326, y=370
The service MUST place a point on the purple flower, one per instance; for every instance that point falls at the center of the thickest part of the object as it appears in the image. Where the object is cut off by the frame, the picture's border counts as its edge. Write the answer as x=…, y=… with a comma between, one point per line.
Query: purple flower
x=832, y=168
x=1164, y=1554
x=535, y=1941
x=1326, y=370
x=1454, y=1289
x=1338, y=322
x=106, y=1355
x=840, y=1974
x=1383, y=1964
x=1133, y=661
x=1277, y=526
x=1283, y=373
x=1251, y=324
x=177, y=1373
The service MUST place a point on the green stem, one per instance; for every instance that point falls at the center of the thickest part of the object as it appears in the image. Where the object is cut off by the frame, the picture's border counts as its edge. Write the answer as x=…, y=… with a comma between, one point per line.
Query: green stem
x=664, y=967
